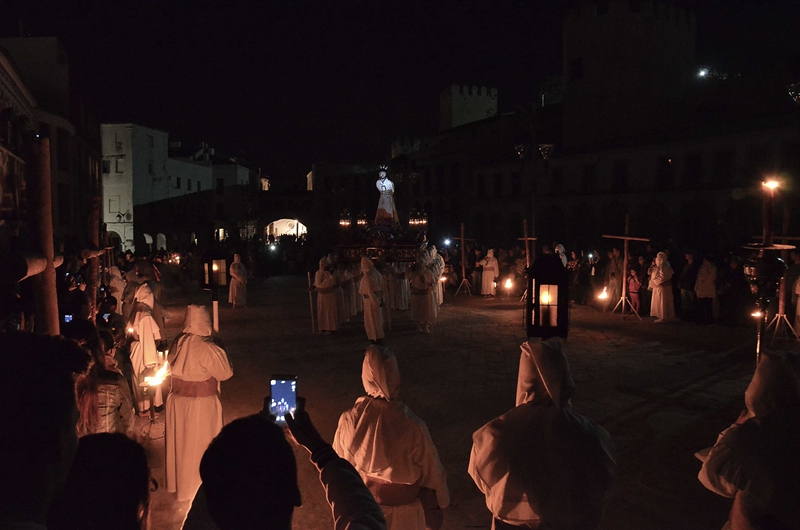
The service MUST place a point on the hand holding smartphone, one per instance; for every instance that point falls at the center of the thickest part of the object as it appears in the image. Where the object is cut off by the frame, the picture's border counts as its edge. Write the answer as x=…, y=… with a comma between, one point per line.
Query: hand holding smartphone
x=283, y=399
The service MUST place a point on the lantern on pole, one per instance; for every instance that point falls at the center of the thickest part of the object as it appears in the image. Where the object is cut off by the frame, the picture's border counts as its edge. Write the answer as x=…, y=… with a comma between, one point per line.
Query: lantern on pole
x=345, y=220
x=214, y=273
x=547, y=310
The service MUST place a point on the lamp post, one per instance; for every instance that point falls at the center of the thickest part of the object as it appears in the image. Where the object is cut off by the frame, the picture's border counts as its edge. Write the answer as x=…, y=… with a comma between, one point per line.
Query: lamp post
x=214, y=275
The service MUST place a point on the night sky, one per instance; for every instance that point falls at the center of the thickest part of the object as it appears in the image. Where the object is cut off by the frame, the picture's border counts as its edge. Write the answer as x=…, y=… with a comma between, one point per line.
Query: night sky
x=291, y=83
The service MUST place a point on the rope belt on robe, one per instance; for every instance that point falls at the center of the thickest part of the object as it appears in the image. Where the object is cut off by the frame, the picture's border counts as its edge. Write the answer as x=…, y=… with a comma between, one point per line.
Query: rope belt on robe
x=326, y=290
x=194, y=388
x=420, y=292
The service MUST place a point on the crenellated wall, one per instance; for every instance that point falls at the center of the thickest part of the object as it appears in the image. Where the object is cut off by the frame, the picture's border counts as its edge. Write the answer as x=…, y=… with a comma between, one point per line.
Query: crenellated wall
x=461, y=105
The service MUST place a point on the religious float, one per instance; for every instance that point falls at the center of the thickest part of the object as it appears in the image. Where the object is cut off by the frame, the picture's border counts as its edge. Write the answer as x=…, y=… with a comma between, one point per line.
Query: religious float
x=385, y=238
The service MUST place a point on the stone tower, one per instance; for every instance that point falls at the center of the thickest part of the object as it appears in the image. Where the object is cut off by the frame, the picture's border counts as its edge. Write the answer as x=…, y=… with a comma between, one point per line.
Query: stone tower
x=626, y=64
x=458, y=105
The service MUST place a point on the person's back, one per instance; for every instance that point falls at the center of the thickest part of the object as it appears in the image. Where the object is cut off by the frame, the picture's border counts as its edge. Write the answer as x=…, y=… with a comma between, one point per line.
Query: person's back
x=540, y=465
x=392, y=449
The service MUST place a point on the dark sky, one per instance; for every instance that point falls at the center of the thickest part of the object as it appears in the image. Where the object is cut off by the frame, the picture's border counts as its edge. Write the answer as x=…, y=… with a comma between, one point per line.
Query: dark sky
x=291, y=83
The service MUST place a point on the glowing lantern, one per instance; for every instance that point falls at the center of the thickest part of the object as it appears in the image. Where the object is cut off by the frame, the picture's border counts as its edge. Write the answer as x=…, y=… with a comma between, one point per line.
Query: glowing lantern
x=214, y=273
x=547, y=310
x=604, y=294
x=509, y=284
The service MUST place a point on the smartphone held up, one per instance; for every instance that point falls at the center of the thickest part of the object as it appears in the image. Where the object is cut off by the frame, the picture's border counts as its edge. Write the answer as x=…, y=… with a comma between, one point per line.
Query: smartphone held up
x=283, y=399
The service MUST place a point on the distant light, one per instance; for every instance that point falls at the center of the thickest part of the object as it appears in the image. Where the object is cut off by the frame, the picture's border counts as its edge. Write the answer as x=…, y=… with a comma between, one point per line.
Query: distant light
x=757, y=314
x=771, y=184
x=272, y=247
x=703, y=72
x=604, y=294
x=447, y=242
x=509, y=284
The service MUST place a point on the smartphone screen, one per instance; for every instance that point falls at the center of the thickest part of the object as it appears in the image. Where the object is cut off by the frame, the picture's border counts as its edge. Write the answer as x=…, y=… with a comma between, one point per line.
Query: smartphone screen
x=284, y=396
x=105, y=317
x=67, y=318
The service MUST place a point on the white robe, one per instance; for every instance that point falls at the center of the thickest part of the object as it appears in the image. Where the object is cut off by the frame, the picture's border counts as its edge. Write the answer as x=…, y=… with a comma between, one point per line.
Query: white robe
x=387, y=442
x=192, y=422
x=237, y=292
x=402, y=294
x=341, y=303
x=423, y=306
x=371, y=290
x=144, y=353
x=661, y=305
x=491, y=270
x=437, y=268
x=327, y=309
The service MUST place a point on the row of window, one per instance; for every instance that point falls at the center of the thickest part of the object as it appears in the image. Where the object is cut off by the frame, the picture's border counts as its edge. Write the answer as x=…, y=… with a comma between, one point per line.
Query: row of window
x=691, y=172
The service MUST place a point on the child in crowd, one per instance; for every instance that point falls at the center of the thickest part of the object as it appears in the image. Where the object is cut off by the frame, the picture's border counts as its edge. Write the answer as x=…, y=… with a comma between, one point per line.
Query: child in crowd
x=634, y=284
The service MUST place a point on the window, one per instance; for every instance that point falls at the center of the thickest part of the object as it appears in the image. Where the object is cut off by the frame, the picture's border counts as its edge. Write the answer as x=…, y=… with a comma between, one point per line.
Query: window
x=516, y=184
x=188, y=184
x=498, y=186
x=723, y=167
x=455, y=177
x=557, y=181
x=177, y=183
x=220, y=186
x=619, y=176
x=151, y=140
x=106, y=166
x=576, y=69
x=220, y=211
x=198, y=185
x=665, y=174
x=151, y=169
x=63, y=149
x=118, y=165
x=481, y=187
x=694, y=170
x=589, y=180
x=439, y=179
x=63, y=204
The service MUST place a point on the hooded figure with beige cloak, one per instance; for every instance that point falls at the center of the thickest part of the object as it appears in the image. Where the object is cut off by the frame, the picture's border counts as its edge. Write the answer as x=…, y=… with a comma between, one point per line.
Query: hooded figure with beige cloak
x=116, y=286
x=491, y=270
x=327, y=305
x=194, y=412
x=540, y=465
x=661, y=305
x=423, y=304
x=143, y=345
x=391, y=448
x=237, y=292
x=371, y=290
x=756, y=461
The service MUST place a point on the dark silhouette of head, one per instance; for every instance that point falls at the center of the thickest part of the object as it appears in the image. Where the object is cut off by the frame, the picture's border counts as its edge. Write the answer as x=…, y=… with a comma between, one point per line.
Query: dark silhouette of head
x=250, y=476
x=39, y=439
x=107, y=488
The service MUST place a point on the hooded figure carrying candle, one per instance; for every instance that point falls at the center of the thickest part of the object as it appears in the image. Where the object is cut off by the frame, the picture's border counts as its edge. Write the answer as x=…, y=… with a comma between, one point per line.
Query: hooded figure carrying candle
x=371, y=289
x=392, y=450
x=540, y=465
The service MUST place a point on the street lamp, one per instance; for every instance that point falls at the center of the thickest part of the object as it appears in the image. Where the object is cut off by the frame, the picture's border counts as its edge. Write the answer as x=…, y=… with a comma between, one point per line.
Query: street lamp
x=344, y=219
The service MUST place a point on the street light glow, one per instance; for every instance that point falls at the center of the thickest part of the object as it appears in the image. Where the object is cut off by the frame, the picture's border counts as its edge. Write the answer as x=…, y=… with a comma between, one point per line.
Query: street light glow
x=703, y=72
x=771, y=184
x=447, y=242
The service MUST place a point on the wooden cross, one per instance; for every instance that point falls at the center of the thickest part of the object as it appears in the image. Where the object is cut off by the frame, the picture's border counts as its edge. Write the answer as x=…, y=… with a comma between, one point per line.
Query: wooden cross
x=527, y=241
x=464, y=282
x=626, y=237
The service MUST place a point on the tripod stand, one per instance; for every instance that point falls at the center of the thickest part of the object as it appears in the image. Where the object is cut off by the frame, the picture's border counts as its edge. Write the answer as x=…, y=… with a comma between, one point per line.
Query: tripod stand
x=780, y=316
x=147, y=431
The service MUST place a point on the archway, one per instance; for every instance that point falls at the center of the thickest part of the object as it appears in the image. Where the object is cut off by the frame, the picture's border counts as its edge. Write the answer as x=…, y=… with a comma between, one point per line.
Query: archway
x=115, y=240
x=161, y=242
x=285, y=227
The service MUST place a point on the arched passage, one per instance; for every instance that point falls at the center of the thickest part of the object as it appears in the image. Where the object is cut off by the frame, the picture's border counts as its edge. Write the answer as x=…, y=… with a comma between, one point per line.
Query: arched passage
x=284, y=227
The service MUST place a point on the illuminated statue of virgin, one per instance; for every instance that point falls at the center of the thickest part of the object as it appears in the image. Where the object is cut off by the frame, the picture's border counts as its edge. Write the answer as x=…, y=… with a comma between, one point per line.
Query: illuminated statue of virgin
x=386, y=207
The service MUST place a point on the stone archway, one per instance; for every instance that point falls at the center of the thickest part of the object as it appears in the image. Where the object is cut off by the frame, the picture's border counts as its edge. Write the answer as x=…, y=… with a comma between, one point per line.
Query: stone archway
x=284, y=227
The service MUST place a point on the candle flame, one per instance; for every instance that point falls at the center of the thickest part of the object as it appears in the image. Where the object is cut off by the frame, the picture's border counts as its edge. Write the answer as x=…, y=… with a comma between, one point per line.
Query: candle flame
x=756, y=314
x=443, y=279
x=159, y=376
x=604, y=294
x=130, y=330
x=771, y=184
x=509, y=284
x=214, y=267
x=545, y=298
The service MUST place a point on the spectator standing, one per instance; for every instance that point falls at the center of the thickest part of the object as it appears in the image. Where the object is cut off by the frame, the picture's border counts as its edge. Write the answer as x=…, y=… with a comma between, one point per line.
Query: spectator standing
x=705, y=290
x=687, y=283
x=237, y=291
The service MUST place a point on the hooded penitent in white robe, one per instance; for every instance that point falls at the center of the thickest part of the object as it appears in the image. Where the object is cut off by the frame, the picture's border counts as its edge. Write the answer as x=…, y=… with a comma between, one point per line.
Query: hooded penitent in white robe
x=327, y=310
x=116, y=286
x=194, y=412
x=357, y=276
x=402, y=294
x=437, y=268
x=423, y=305
x=755, y=461
x=128, y=294
x=341, y=303
x=143, y=345
x=539, y=463
x=661, y=305
x=237, y=291
x=390, y=446
x=371, y=291
x=349, y=289
x=491, y=270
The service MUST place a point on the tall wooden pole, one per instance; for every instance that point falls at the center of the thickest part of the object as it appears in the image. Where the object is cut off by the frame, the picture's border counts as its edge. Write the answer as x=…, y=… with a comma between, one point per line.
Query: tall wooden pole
x=463, y=254
x=40, y=222
x=94, y=241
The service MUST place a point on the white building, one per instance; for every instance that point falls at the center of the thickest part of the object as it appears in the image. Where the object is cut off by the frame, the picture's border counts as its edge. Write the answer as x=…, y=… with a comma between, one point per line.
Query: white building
x=137, y=170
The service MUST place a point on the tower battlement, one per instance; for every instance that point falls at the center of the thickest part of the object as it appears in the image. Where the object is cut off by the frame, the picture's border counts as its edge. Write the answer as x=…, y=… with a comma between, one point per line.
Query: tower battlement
x=663, y=12
x=460, y=105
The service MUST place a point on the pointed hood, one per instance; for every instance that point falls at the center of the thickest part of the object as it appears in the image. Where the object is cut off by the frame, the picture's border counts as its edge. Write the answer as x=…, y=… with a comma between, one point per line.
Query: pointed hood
x=380, y=373
x=197, y=321
x=145, y=295
x=544, y=374
x=775, y=385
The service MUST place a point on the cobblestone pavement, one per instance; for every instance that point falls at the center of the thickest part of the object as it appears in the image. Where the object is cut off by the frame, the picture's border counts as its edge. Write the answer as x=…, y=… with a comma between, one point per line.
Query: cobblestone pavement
x=663, y=391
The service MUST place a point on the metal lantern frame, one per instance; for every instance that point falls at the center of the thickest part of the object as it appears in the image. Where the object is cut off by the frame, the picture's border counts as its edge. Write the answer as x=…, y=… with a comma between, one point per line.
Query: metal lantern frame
x=547, y=307
x=214, y=272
